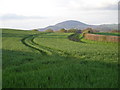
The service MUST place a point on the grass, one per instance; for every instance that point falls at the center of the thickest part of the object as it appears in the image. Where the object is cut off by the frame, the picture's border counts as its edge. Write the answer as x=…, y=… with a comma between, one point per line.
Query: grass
x=33, y=59
x=112, y=34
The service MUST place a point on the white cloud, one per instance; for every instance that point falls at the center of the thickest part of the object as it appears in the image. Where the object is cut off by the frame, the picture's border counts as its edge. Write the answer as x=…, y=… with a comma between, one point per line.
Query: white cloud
x=92, y=4
x=50, y=7
x=91, y=11
x=18, y=17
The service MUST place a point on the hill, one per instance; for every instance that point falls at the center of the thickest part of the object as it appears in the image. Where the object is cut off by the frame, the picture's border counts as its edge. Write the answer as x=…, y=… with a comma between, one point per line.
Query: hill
x=33, y=59
x=79, y=25
x=107, y=27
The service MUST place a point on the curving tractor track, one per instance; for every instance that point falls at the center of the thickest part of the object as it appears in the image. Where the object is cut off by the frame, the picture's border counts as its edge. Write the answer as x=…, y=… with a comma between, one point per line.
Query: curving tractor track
x=29, y=42
x=44, y=50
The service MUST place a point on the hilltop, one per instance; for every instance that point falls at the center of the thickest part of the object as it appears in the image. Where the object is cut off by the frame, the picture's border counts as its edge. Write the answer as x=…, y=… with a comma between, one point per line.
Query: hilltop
x=80, y=25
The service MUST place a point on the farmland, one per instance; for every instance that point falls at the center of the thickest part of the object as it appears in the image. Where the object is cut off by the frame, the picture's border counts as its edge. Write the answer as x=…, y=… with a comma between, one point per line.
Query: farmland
x=113, y=34
x=33, y=59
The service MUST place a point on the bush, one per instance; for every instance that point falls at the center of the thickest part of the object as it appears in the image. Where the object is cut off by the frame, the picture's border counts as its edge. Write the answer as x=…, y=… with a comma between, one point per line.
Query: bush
x=78, y=31
x=89, y=30
x=115, y=31
x=74, y=37
x=49, y=30
x=72, y=30
x=34, y=30
x=63, y=30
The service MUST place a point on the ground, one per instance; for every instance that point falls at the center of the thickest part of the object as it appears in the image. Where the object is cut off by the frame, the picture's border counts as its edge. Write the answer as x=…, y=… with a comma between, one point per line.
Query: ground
x=33, y=59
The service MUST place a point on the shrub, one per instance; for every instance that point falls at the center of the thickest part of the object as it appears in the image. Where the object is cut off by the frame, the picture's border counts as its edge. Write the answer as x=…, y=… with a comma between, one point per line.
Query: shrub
x=34, y=30
x=78, y=31
x=88, y=30
x=63, y=30
x=72, y=30
x=49, y=30
x=115, y=31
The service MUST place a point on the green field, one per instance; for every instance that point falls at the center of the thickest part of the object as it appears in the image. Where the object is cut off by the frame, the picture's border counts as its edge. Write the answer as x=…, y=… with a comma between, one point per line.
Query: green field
x=33, y=59
x=112, y=34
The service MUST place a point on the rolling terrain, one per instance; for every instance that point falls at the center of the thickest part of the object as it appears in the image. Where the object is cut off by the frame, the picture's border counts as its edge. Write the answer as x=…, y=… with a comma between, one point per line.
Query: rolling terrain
x=79, y=25
x=33, y=59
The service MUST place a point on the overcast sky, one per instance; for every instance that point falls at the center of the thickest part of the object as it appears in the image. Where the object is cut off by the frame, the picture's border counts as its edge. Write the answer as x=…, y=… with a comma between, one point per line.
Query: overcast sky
x=29, y=14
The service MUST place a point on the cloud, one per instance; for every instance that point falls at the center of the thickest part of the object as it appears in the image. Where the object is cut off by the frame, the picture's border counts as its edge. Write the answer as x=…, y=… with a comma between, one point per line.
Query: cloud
x=93, y=5
x=40, y=13
x=110, y=7
x=54, y=7
x=18, y=17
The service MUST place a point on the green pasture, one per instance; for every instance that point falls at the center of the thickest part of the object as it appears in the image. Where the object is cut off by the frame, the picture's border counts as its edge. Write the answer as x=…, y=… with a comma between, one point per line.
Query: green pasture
x=112, y=34
x=33, y=59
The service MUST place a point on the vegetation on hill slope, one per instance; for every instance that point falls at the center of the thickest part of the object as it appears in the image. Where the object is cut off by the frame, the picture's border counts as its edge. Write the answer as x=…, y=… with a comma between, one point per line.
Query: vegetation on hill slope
x=33, y=59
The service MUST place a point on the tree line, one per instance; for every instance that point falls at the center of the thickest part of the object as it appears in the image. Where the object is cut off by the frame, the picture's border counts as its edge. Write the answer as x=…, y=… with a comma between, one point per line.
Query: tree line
x=89, y=30
x=73, y=30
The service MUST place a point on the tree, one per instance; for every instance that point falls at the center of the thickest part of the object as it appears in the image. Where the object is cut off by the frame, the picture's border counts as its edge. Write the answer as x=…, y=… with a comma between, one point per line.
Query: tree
x=72, y=30
x=115, y=31
x=78, y=31
x=34, y=30
x=49, y=30
x=88, y=30
x=63, y=30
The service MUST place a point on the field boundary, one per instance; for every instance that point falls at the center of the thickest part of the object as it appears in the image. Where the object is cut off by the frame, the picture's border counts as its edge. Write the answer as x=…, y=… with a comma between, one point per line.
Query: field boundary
x=105, y=38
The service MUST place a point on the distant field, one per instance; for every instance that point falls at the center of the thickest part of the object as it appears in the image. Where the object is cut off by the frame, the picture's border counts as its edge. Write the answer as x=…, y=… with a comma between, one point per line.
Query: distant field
x=113, y=34
x=33, y=59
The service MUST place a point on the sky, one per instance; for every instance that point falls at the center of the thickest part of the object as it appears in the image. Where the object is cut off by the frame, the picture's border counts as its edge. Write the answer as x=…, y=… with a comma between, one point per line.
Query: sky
x=32, y=14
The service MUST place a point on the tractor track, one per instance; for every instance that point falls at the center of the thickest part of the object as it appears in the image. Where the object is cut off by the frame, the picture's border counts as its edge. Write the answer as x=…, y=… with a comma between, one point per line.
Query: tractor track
x=53, y=50
x=24, y=41
x=44, y=50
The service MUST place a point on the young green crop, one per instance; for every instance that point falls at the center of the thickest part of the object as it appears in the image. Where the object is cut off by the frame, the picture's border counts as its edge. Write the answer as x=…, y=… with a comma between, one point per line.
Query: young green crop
x=33, y=59
x=112, y=34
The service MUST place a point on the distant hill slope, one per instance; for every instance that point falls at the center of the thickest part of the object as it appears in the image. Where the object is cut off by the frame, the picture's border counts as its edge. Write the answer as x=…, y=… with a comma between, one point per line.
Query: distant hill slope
x=79, y=25
x=107, y=27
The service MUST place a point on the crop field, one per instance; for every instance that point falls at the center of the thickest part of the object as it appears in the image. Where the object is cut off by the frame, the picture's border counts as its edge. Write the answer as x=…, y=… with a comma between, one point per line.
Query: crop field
x=33, y=59
x=113, y=34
